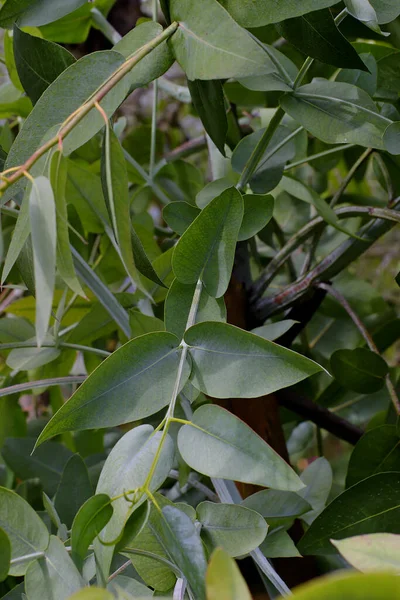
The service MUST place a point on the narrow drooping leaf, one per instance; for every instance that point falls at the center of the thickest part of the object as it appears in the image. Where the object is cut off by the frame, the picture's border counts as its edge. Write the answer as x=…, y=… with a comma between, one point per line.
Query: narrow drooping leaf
x=5, y=554
x=38, y=12
x=73, y=491
x=359, y=370
x=38, y=61
x=378, y=451
x=234, y=451
x=373, y=552
x=209, y=44
x=251, y=366
x=369, y=506
x=142, y=260
x=65, y=263
x=42, y=212
x=207, y=248
x=224, y=580
x=209, y=102
x=19, y=237
x=91, y=518
x=25, y=529
x=316, y=35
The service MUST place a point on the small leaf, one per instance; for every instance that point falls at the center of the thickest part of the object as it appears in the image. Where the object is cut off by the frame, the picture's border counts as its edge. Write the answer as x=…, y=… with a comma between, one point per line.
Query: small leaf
x=5, y=555
x=209, y=102
x=265, y=12
x=359, y=370
x=74, y=489
x=234, y=451
x=278, y=508
x=373, y=552
x=207, y=248
x=258, y=211
x=91, y=518
x=224, y=580
x=279, y=544
x=369, y=506
x=180, y=215
x=236, y=529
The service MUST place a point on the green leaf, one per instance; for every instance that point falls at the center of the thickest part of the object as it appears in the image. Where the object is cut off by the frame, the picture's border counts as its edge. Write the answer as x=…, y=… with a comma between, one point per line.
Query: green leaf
x=386, y=11
x=20, y=235
x=337, y=113
x=5, y=555
x=185, y=548
x=209, y=102
x=279, y=544
x=373, y=552
x=65, y=263
x=180, y=215
x=207, y=248
x=364, y=12
x=212, y=190
x=369, y=506
x=224, y=580
x=73, y=491
x=54, y=575
x=316, y=35
x=273, y=331
x=25, y=529
x=138, y=378
x=92, y=593
x=359, y=370
x=366, y=81
x=38, y=12
x=44, y=244
x=142, y=324
x=234, y=451
x=236, y=529
x=283, y=80
x=178, y=303
x=209, y=44
x=378, y=451
x=142, y=260
x=318, y=479
x=39, y=62
x=350, y=586
x=244, y=359
x=265, y=12
x=391, y=138
x=278, y=508
x=27, y=359
x=89, y=521
x=127, y=585
x=258, y=211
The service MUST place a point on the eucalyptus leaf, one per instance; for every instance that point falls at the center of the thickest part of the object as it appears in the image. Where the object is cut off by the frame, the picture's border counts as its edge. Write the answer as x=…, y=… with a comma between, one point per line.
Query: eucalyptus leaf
x=258, y=211
x=277, y=507
x=5, y=554
x=378, y=451
x=359, y=370
x=89, y=521
x=224, y=580
x=209, y=102
x=38, y=12
x=273, y=331
x=73, y=490
x=180, y=215
x=373, y=552
x=279, y=544
x=350, y=586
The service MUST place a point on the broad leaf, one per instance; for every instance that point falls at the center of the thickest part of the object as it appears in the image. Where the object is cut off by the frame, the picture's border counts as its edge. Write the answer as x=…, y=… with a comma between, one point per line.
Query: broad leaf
x=92, y=593
x=209, y=102
x=369, y=506
x=224, y=580
x=180, y=215
x=264, y=12
x=73, y=491
x=134, y=382
x=207, y=248
x=36, y=12
x=236, y=529
x=318, y=479
x=373, y=552
x=258, y=211
x=364, y=12
x=350, y=586
x=359, y=370
x=279, y=544
x=234, y=451
x=386, y=10
x=278, y=508
x=39, y=62
x=91, y=518
x=378, y=451
x=231, y=363
x=209, y=44
x=25, y=529
x=5, y=554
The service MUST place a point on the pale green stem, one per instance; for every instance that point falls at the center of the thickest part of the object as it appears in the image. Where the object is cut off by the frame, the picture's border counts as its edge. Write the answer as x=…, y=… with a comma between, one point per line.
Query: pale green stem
x=101, y=23
x=28, y=557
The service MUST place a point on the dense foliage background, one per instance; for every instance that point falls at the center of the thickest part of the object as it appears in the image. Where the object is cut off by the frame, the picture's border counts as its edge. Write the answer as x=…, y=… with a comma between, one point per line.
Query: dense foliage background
x=199, y=314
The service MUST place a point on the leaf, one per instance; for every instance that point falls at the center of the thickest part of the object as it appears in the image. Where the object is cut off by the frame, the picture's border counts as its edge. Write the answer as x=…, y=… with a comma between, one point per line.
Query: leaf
x=318, y=479
x=234, y=451
x=207, y=248
x=46, y=463
x=65, y=263
x=142, y=260
x=273, y=331
x=278, y=508
x=130, y=586
x=378, y=451
x=138, y=378
x=258, y=211
x=231, y=363
x=44, y=241
x=282, y=80
x=180, y=215
x=54, y=575
x=224, y=580
x=92, y=593
x=38, y=12
x=350, y=586
x=185, y=548
x=386, y=11
x=178, y=303
x=366, y=81
x=279, y=544
x=364, y=12
x=316, y=35
x=391, y=138
x=25, y=529
x=5, y=555
x=39, y=62
x=265, y=12
x=20, y=235
x=209, y=102
x=337, y=113
x=359, y=370
x=142, y=324
x=373, y=552
x=73, y=491
x=209, y=44
x=89, y=521
x=27, y=359
x=212, y=190
x=369, y=506
x=236, y=529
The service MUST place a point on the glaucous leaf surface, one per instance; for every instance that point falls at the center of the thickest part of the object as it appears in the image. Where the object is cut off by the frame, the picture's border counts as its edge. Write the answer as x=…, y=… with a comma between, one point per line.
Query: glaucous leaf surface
x=350, y=586
x=318, y=478
x=91, y=518
x=5, y=554
x=359, y=370
x=378, y=451
x=273, y=331
x=36, y=12
x=138, y=379
x=277, y=507
x=279, y=544
x=218, y=444
x=373, y=552
x=386, y=10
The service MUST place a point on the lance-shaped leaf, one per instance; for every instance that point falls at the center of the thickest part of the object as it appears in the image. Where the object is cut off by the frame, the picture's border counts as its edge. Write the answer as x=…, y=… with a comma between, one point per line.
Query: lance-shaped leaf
x=73, y=491
x=91, y=518
x=19, y=237
x=336, y=113
x=209, y=44
x=42, y=211
x=369, y=506
x=264, y=12
x=373, y=552
x=224, y=580
x=218, y=444
x=5, y=554
x=207, y=248
x=65, y=263
x=134, y=382
x=209, y=102
x=38, y=12
x=231, y=363
x=25, y=529
x=38, y=61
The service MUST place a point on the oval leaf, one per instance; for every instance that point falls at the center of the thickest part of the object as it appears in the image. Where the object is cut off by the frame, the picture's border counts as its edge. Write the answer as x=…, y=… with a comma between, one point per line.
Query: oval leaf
x=91, y=518
x=224, y=580
x=350, y=586
x=264, y=12
x=373, y=552
x=359, y=370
